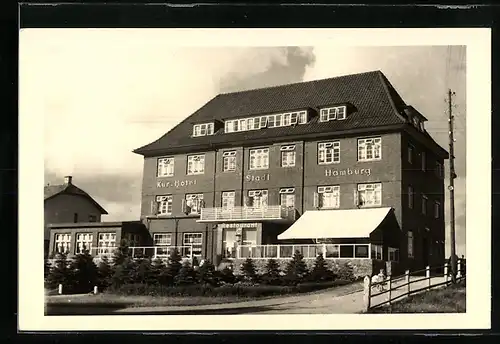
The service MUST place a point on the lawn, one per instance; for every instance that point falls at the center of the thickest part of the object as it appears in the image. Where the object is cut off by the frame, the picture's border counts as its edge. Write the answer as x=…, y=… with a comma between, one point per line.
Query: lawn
x=449, y=299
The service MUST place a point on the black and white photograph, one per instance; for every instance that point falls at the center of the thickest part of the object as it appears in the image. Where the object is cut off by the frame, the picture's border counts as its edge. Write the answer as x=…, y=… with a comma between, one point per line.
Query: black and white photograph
x=290, y=174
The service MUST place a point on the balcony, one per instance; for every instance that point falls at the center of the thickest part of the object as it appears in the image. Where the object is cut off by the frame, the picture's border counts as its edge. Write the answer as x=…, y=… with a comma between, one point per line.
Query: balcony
x=266, y=213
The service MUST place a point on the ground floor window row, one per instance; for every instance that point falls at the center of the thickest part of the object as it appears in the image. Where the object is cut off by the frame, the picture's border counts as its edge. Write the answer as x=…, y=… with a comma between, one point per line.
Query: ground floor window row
x=325, y=197
x=84, y=242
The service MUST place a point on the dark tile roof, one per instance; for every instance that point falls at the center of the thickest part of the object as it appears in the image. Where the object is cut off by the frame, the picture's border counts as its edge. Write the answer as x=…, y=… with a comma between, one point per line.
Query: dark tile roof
x=376, y=104
x=50, y=191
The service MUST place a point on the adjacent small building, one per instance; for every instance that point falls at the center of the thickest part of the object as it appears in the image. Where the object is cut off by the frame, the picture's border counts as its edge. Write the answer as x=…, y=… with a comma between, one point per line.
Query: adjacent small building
x=67, y=203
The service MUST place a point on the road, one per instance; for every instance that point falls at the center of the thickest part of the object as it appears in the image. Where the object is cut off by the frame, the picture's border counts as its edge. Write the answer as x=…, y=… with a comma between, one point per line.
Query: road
x=339, y=300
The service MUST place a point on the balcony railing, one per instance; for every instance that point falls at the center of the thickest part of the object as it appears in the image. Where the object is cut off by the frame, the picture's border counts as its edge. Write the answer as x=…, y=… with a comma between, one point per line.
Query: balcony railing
x=329, y=251
x=271, y=212
x=145, y=251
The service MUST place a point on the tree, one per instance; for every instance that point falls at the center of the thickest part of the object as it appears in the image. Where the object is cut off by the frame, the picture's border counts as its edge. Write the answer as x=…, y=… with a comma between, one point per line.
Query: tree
x=249, y=270
x=141, y=272
x=158, y=274
x=84, y=272
x=206, y=274
x=174, y=264
x=121, y=253
x=60, y=273
x=296, y=270
x=46, y=269
x=272, y=274
x=346, y=272
x=122, y=273
x=320, y=271
x=186, y=275
x=104, y=273
x=226, y=275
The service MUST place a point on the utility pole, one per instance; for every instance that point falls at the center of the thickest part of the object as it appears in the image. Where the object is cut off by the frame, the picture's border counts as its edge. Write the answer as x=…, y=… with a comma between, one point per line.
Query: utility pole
x=451, y=188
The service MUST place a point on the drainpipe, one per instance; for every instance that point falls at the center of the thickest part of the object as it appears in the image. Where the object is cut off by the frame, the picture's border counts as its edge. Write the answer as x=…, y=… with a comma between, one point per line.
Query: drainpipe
x=213, y=205
x=303, y=174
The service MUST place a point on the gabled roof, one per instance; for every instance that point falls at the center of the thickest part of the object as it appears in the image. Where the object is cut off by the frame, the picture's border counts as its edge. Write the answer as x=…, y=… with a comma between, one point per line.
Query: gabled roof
x=50, y=191
x=376, y=105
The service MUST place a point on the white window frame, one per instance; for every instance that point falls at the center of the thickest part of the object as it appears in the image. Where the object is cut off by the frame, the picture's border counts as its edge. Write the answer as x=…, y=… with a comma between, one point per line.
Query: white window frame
x=268, y=121
x=165, y=166
x=197, y=246
x=162, y=239
x=62, y=242
x=411, y=242
x=106, y=242
x=302, y=117
x=371, y=189
x=258, y=155
x=411, y=152
x=288, y=156
x=229, y=161
x=203, y=129
x=196, y=164
x=370, y=146
x=411, y=197
x=287, y=197
x=423, y=161
x=329, y=152
x=194, y=202
x=424, y=205
x=377, y=252
x=393, y=254
x=83, y=242
x=164, y=204
x=437, y=209
x=260, y=197
x=333, y=113
x=228, y=200
x=329, y=197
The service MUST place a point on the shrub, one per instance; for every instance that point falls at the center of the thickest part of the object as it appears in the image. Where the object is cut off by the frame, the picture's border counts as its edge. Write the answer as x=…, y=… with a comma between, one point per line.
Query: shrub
x=121, y=253
x=60, y=273
x=186, y=275
x=122, y=273
x=158, y=274
x=320, y=271
x=141, y=271
x=226, y=275
x=346, y=272
x=206, y=274
x=272, y=276
x=174, y=264
x=46, y=270
x=296, y=270
x=83, y=272
x=104, y=273
x=249, y=271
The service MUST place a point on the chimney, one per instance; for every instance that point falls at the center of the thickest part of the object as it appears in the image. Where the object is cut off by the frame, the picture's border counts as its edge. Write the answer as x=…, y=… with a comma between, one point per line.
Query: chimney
x=68, y=180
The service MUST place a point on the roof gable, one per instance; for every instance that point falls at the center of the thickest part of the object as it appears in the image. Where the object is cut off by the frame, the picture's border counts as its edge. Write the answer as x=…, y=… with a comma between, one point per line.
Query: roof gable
x=50, y=191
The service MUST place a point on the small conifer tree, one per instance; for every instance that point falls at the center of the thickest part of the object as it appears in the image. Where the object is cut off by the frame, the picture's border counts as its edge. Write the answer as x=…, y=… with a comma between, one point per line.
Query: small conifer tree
x=206, y=274
x=186, y=275
x=141, y=270
x=296, y=270
x=158, y=275
x=226, y=275
x=104, y=273
x=249, y=270
x=123, y=273
x=60, y=273
x=320, y=271
x=174, y=264
x=272, y=274
x=84, y=272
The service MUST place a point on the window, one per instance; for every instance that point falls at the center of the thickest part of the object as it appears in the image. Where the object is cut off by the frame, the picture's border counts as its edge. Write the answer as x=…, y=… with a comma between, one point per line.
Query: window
x=437, y=209
x=424, y=204
x=328, y=197
x=333, y=113
x=164, y=204
x=302, y=117
x=194, y=203
x=369, y=194
x=162, y=239
x=229, y=161
x=424, y=161
x=92, y=218
x=133, y=239
x=249, y=237
x=410, y=197
x=393, y=254
x=377, y=252
x=195, y=239
x=259, y=158
x=203, y=129
x=328, y=152
x=288, y=156
x=269, y=121
x=106, y=243
x=165, y=167
x=439, y=169
x=228, y=200
x=228, y=243
x=196, y=164
x=370, y=149
x=62, y=243
x=84, y=242
x=410, y=244
x=287, y=197
x=410, y=154
x=75, y=217
x=257, y=198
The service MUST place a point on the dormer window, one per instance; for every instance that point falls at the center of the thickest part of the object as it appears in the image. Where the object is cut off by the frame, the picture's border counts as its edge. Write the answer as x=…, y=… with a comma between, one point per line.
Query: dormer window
x=267, y=121
x=333, y=113
x=203, y=129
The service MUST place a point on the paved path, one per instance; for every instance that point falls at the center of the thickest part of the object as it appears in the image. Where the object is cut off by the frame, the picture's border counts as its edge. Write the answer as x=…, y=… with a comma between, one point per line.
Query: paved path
x=345, y=299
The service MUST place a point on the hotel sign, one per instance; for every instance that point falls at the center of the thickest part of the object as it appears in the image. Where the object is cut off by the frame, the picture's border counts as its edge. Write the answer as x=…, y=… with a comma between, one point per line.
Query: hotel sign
x=348, y=172
x=175, y=183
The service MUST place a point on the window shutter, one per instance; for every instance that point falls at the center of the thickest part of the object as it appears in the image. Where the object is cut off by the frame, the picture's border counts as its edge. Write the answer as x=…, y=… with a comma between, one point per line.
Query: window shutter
x=154, y=208
x=316, y=200
x=184, y=207
x=202, y=204
x=357, y=201
x=248, y=201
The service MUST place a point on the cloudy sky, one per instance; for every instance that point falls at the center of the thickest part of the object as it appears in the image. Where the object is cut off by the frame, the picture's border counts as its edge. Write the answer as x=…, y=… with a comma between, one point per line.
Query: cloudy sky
x=104, y=93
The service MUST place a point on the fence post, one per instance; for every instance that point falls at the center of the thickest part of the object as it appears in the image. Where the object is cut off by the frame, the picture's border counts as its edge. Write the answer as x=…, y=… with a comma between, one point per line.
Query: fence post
x=428, y=275
x=389, y=286
x=407, y=279
x=95, y=290
x=459, y=268
x=60, y=289
x=324, y=250
x=367, y=294
x=446, y=272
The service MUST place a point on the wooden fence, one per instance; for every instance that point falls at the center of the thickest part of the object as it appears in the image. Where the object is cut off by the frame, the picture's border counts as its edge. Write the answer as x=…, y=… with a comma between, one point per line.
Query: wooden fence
x=396, y=288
